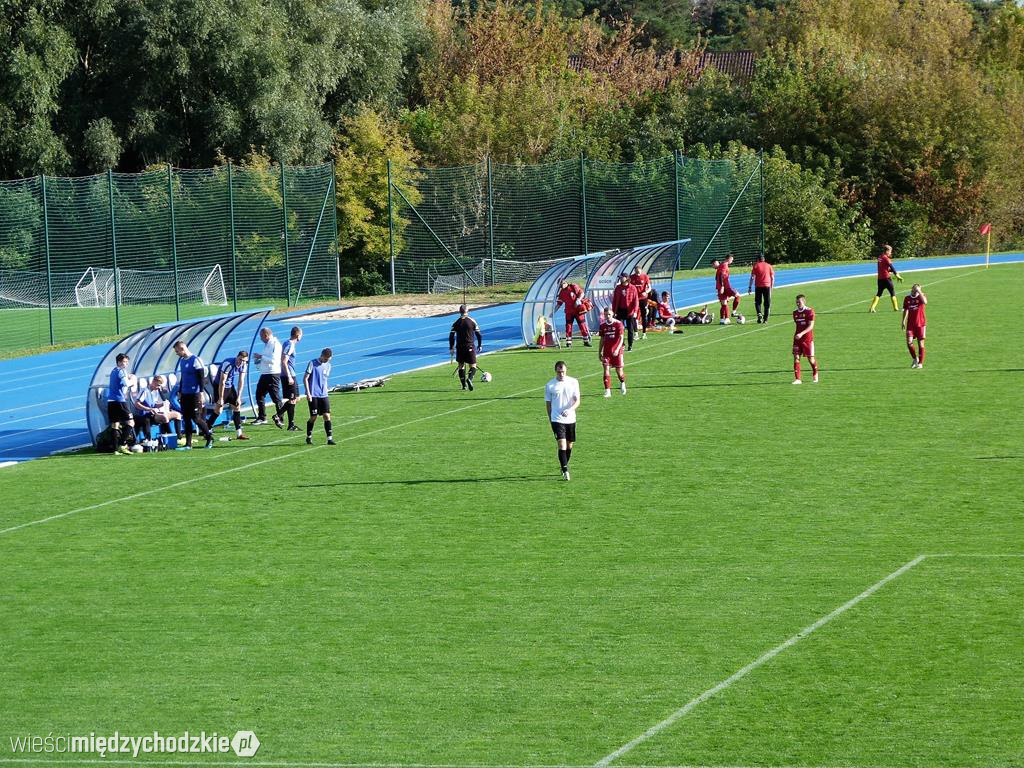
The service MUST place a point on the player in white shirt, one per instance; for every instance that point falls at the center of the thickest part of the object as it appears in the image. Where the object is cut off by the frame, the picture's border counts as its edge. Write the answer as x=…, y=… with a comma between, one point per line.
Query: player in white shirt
x=562, y=398
x=269, y=361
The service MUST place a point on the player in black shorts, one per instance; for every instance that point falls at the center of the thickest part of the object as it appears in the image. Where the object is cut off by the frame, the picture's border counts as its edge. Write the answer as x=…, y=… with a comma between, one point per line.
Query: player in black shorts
x=462, y=348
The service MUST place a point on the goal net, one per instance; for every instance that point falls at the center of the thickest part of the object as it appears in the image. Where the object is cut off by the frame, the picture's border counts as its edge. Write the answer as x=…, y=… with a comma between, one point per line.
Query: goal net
x=96, y=287
x=483, y=272
x=151, y=286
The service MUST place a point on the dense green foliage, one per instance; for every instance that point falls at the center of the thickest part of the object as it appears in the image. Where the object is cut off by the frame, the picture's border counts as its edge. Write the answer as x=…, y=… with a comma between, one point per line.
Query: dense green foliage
x=901, y=119
x=429, y=592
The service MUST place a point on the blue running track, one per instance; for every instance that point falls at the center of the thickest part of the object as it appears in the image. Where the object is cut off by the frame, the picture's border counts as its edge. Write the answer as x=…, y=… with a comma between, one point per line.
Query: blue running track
x=43, y=404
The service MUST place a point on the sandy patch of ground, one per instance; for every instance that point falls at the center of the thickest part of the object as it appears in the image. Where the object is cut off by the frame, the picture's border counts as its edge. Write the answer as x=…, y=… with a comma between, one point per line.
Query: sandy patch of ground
x=397, y=310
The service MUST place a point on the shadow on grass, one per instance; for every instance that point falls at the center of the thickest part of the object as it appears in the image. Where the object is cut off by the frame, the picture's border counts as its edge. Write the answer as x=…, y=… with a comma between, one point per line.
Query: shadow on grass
x=440, y=481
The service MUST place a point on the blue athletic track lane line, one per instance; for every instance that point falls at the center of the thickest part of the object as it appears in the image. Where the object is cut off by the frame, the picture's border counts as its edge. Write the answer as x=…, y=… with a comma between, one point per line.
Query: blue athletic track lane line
x=42, y=410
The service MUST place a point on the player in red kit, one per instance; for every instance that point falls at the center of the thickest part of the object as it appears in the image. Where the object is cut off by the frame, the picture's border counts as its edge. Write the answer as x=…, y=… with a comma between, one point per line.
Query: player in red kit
x=913, y=321
x=886, y=272
x=762, y=281
x=724, y=289
x=642, y=283
x=611, y=332
x=571, y=296
x=626, y=306
x=803, y=339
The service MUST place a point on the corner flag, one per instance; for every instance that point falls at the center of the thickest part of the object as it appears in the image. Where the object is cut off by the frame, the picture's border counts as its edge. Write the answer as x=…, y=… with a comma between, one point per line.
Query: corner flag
x=986, y=229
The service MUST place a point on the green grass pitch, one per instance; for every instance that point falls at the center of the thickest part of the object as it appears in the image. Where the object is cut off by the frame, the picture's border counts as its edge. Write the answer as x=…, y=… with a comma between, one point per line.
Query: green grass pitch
x=430, y=592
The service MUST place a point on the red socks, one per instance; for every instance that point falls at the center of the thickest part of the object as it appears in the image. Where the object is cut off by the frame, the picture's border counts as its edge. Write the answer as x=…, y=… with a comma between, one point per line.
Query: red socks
x=607, y=381
x=913, y=354
x=920, y=354
x=735, y=303
x=622, y=378
x=723, y=310
x=796, y=368
x=814, y=367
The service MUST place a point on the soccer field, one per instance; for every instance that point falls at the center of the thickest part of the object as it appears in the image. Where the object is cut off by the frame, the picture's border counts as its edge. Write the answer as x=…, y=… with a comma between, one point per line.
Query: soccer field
x=741, y=572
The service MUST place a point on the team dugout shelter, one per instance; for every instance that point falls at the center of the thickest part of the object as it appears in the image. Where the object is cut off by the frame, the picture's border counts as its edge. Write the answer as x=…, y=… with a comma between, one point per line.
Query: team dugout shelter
x=598, y=273
x=151, y=353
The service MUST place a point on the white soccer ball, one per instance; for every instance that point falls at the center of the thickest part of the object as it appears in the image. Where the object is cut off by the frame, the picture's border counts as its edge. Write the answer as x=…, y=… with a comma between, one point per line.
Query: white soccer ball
x=136, y=448
x=485, y=376
x=740, y=319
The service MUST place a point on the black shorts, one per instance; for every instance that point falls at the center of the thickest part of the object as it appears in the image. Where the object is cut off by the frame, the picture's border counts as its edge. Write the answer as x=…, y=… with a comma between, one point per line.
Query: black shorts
x=463, y=355
x=118, y=412
x=885, y=284
x=319, y=406
x=289, y=391
x=231, y=397
x=565, y=432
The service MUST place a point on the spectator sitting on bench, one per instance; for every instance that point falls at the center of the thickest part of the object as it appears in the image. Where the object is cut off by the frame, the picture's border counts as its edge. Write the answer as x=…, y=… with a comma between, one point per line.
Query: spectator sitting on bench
x=153, y=406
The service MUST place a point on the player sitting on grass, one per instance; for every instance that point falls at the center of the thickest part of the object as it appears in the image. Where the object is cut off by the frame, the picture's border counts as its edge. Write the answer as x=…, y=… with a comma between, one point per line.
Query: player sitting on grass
x=913, y=321
x=315, y=384
x=803, y=339
x=667, y=316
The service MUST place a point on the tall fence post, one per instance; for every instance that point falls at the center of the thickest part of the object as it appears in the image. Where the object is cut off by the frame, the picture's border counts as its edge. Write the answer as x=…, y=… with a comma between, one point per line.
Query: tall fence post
x=113, y=252
x=336, y=240
x=583, y=201
x=391, y=230
x=234, y=254
x=174, y=241
x=46, y=245
x=675, y=168
x=490, y=217
x=760, y=157
x=287, y=258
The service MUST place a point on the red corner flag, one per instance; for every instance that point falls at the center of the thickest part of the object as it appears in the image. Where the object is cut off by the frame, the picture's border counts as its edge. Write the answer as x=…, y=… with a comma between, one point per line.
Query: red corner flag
x=985, y=229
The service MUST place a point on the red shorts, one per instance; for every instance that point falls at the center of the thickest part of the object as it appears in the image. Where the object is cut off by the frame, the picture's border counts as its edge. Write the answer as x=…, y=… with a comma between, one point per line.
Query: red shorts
x=804, y=346
x=726, y=293
x=614, y=361
x=915, y=332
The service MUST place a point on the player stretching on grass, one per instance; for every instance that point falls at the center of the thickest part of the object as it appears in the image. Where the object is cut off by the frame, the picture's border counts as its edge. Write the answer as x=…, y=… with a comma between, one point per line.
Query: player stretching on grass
x=913, y=322
x=724, y=289
x=461, y=348
x=315, y=383
x=886, y=272
x=803, y=339
x=571, y=295
x=562, y=398
x=611, y=332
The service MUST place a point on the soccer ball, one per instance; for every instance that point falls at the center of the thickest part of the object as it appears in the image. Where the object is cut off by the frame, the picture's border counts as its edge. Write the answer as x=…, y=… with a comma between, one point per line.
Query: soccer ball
x=740, y=319
x=723, y=321
x=485, y=376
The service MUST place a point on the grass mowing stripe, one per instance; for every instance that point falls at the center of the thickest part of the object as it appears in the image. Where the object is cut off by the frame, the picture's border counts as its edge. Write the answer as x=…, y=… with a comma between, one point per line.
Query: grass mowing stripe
x=654, y=730
x=477, y=404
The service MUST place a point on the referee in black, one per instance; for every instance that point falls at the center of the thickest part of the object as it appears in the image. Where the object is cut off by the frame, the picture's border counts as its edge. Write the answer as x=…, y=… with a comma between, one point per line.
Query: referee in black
x=461, y=346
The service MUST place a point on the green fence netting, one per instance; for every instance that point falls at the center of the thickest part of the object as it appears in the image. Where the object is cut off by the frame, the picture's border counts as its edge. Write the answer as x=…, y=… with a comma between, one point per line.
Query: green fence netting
x=487, y=224
x=103, y=255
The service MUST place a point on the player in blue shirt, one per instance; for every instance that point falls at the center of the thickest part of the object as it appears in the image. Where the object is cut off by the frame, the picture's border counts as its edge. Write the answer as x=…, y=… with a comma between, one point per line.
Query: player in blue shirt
x=119, y=410
x=289, y=383
x=191, y=376
x=315, y=382
x=228, y=388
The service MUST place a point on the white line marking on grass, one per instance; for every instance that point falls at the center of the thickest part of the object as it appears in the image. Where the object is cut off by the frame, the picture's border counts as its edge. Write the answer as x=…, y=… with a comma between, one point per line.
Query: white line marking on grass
x=7, y=464
x=689, y=706
x=977, y=554
x=304, y=448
